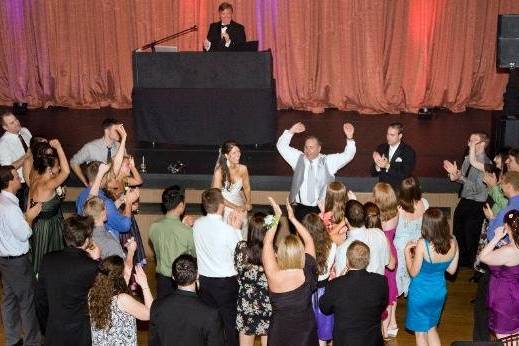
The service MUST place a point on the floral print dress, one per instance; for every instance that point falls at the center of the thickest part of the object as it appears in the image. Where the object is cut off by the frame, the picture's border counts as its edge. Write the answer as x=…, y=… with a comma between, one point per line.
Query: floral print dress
x=254, y=309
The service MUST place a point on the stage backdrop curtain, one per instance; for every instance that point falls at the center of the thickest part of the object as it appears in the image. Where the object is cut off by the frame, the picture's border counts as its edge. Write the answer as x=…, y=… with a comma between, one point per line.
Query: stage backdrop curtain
x=372, y=56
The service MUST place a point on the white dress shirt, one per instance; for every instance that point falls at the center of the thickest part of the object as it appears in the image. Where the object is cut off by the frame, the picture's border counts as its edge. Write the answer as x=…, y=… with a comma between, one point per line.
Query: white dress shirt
x=375, y=239
x=392, y=150
x=14, y=230
x=334, y=162
x=95, y=150
x=215, y=242
x=11, y=149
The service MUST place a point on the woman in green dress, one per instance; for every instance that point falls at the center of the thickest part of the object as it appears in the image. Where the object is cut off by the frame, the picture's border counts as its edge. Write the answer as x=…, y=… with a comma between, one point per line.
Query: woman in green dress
x=51, y=170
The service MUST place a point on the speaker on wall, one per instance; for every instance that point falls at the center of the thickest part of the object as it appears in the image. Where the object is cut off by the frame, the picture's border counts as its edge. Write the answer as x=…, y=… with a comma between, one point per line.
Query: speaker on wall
x=508, y=41
x=507, y=133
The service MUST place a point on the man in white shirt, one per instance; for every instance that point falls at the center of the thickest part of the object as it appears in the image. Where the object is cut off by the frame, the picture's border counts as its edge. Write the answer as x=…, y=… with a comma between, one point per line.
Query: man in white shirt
x=18, y=304
x=312, y=170
x=395, y=160
x=102, y=149
x=215, y=243
x=14, y=145
x=374, y=238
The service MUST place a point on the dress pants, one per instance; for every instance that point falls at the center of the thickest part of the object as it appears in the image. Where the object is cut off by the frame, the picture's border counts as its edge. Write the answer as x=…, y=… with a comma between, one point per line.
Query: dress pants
x=300, y=211
x=480, y=331
x=222, y=293
x=18, y=300
x=165, y=285
x=467, y=221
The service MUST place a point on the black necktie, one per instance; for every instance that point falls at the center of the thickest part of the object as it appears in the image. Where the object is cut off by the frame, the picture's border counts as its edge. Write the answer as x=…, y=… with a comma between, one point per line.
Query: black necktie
x=24, y=145
x=109, y=154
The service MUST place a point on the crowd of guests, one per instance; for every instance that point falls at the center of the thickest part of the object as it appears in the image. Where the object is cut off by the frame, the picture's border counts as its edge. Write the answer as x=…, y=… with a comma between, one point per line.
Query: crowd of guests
x=232, y=275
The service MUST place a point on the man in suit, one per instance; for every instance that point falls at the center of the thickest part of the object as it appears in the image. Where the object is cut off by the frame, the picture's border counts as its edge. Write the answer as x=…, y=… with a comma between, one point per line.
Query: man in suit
x=395, y=160
x=181, y=318
x=357, y=299
x=225, y=35
x=64, y=281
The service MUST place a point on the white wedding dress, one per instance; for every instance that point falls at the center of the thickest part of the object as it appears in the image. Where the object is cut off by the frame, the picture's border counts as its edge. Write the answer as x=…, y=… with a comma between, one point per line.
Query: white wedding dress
x=233, y=193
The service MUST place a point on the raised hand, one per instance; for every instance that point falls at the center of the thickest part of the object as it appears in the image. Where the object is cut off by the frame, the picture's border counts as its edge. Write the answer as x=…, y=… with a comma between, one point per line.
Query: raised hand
x=131, y=162
x=140, y=277
x=490, y=179
x=290, y=211
x=297, y=128
x=276, y=207
x=348, y=130
x=131, y=245
x=188, y=220
x=132, y=195
x=122, y=132
x=54, y=143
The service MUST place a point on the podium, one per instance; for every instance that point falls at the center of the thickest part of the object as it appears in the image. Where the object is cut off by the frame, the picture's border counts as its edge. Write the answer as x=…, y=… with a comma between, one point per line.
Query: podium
x=198, y=98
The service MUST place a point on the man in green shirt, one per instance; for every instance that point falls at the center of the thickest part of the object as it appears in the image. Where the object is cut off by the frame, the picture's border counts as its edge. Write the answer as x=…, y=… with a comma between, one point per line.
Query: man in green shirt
x=171, y=238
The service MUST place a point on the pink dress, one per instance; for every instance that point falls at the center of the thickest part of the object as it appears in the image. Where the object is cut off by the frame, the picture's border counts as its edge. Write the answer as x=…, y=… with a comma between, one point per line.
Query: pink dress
x=391, y=274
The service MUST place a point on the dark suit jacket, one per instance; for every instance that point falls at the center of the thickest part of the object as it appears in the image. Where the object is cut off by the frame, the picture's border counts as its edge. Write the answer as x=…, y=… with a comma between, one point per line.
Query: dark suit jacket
x=236, y=32
x=61, y=297
x=400, y=167
x=181, y=318
x=358, y=300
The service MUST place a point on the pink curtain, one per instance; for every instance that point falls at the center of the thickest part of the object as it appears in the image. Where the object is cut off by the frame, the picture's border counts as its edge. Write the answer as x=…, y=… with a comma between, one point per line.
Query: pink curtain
x=372, y=56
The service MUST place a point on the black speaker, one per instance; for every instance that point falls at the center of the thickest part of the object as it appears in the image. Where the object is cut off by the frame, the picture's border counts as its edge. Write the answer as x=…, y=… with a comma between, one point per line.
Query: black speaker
x=508, y=41
x=507, y=133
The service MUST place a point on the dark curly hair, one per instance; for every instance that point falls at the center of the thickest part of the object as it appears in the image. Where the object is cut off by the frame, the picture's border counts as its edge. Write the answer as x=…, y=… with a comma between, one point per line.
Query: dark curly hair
x=512, y=220
x=322, y=241
x=109, y=283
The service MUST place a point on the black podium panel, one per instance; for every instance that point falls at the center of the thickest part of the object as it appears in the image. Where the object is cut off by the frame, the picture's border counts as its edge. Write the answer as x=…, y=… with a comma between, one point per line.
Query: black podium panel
x=196, y=98
x=202, y=70
x=204, y=116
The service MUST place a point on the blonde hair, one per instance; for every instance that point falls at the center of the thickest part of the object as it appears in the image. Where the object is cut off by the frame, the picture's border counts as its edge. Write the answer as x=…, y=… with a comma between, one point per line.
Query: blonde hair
x=357, y=255
x=335, y=200
x=385, y=199
x=94, y=206
x=291, y=253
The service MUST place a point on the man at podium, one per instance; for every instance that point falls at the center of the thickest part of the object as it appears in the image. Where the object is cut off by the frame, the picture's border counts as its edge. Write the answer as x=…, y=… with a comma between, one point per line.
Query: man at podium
x=226, y=34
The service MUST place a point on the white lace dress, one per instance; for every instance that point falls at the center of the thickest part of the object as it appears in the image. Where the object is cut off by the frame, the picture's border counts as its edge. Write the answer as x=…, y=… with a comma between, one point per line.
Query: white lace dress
x=122, y=331
x=233, y=193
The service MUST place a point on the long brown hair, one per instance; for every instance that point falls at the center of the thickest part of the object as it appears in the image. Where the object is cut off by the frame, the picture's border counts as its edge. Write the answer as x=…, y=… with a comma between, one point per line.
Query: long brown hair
x=435, y=228
x=409, y=194
x=322, y=241
x=226, y=148
x=109, y=282
x=335, y=200
x=385, y=199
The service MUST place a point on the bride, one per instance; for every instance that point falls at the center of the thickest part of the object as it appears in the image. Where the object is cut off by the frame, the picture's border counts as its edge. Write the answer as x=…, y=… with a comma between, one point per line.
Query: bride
x=233, y=179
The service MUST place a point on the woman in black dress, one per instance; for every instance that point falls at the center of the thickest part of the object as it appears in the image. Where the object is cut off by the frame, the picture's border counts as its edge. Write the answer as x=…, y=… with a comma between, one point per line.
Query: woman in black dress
x=292, y=278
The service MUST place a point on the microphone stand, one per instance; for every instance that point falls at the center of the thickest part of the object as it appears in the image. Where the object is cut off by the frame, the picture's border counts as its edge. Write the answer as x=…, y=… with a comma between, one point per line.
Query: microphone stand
x=167, y=38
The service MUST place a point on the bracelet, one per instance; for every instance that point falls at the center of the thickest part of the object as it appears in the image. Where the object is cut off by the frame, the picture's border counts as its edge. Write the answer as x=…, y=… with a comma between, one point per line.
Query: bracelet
x=145, y=288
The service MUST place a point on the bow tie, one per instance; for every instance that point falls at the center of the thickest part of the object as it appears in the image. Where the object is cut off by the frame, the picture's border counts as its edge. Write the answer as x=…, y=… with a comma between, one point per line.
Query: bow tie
x=225, y=25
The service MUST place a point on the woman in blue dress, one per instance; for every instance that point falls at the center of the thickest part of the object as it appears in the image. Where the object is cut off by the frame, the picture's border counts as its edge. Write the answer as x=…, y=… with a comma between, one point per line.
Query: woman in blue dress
x=427, y=260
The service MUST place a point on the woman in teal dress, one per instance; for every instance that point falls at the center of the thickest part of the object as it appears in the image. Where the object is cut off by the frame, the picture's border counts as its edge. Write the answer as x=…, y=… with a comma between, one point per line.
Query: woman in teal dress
x=427, y=260
x=51, y=170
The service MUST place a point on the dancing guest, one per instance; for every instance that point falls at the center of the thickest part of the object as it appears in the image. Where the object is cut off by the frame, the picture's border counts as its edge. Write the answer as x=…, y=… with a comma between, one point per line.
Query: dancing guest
x=394, y=160
x=254, y=308
x=102, y=149
x=333, y=212
x=312, y=170
x=171, y=237
x=14, y=145
x=503, y=290
x=116, y=221
x=215, y=242
x=38, y=147
x=372, y=237
x=225, y=35
x=65, y=278
x=18, y=307
x=181, y=318
x=233, y=179
x=411, y=207
x=50, y=173
x=325, y=251
x=292, y=278
x=357, y=299
x=427, y=260
x=512, y=161
x=510, y=187
x=468, y=215
x=113, y=310
x=389, y=327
